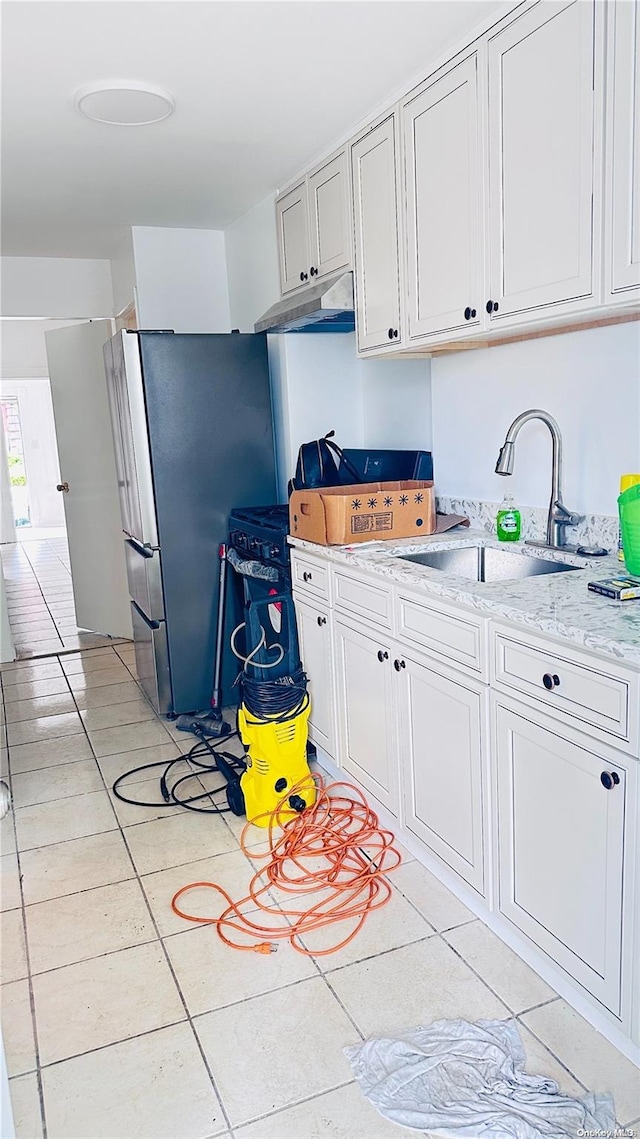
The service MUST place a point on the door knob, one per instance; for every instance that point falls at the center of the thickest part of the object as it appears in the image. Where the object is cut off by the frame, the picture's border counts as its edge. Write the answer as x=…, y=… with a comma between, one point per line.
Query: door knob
x=63, y=486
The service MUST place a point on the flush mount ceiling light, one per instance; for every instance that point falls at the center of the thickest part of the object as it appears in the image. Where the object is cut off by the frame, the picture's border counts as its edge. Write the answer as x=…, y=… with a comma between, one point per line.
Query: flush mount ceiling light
x=124, y=103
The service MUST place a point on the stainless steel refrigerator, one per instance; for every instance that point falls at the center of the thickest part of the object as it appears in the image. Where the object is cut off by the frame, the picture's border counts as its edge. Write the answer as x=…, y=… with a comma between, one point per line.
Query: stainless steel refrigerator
x=193, y=433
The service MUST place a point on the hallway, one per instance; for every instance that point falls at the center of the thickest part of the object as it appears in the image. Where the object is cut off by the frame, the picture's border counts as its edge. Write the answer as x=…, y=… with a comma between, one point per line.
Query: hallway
x=40, y=599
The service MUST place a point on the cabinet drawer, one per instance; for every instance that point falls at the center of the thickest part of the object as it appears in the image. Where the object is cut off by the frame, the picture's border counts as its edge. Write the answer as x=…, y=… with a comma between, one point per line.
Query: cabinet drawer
x=447, y=633
x=369, y=600
x=310, y=576
x=603, y=696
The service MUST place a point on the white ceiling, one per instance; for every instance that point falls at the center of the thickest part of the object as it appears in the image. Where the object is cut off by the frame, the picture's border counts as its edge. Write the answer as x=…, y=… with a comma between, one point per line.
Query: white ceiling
x=261, y=89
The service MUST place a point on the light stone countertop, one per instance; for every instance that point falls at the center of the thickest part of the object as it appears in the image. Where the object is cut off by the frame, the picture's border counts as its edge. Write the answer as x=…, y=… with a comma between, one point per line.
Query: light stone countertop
x=558, y=604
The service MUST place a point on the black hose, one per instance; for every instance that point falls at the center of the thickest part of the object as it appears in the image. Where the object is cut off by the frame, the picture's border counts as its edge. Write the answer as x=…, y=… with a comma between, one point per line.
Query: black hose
x=170, y=796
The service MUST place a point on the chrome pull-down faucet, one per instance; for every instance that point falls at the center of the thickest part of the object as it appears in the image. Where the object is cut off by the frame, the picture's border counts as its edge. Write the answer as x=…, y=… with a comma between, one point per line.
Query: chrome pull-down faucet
x=559, y=517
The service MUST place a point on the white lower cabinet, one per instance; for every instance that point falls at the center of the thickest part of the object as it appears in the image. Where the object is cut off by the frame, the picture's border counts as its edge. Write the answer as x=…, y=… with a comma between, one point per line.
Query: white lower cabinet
x=524, y=799
x=314, y=635
x=561, y=805
x=443, y=739
x=364, y=683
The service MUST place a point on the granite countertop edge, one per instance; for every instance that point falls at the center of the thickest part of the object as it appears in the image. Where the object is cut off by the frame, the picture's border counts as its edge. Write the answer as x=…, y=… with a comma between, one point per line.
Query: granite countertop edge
x=558, y=604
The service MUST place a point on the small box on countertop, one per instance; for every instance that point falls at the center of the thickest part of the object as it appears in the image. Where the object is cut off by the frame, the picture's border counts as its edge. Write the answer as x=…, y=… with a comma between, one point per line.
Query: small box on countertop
x=364, y=512
x=618, y=588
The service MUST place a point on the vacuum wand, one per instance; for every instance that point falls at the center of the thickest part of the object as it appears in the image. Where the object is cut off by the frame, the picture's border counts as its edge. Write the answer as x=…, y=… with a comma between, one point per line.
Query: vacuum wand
x=210, y=723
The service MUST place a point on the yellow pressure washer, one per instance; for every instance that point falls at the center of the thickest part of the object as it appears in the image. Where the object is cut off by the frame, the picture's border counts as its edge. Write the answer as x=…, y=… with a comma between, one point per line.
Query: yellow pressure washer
x=273, y=715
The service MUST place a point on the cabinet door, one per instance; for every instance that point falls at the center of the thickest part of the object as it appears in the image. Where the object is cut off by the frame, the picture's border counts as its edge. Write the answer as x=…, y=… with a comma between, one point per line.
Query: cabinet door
x=561, y=847
x=442, y=741
x=443, y=204
x=314, y=635
x=622, y=246
x=375, y=215
x=541, y=161
x=364, y=685
x=293, y=240
x=329, y=217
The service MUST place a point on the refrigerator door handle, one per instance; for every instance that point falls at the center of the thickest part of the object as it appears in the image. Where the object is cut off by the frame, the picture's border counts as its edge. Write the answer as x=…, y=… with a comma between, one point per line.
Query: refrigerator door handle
x=144, y=550
x=143, y=617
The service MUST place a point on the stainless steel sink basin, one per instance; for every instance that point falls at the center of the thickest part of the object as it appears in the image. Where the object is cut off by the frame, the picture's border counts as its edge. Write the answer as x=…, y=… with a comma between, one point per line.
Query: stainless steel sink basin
x=483, y=563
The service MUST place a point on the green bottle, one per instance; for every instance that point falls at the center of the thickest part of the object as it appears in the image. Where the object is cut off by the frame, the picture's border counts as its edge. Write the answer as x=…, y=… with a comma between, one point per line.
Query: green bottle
x=508, y=521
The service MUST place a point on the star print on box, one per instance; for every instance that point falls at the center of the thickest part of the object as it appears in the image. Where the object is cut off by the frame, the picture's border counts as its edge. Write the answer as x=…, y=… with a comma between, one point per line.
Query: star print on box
x=403, y=500
x=373, y=502
x=388, y=500
x=419, y=498
x=356, y=504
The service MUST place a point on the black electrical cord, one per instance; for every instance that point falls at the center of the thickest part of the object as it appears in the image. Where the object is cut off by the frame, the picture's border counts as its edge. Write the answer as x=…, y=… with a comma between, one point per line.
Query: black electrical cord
x=170, y=797
x=275, y=700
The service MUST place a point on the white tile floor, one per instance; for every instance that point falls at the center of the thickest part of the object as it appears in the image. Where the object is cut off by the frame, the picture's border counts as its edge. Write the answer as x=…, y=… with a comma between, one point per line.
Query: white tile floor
x=40, y=598
x=120, y=1020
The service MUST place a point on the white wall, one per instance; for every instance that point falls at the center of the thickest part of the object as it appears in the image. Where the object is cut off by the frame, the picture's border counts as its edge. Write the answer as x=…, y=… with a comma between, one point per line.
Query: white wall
x=57, y=287
x=319, y=384
x=252, y=265
x=589, y=381
x=181, y=279
x=123, y=274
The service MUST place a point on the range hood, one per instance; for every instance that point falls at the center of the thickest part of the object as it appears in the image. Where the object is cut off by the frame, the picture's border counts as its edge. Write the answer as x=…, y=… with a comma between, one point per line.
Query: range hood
x=325, y=307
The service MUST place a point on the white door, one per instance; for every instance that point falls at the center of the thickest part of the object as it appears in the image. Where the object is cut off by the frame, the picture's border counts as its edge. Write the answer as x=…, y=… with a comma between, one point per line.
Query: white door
x=542, y=123
x=375, y=219
x=622, y=244
x=365, y=695
x=444, y=222
x=561, y=805
x=329, y=218
x=442, y=739
x=314, y=634
x=87, y=466
x=293, y=238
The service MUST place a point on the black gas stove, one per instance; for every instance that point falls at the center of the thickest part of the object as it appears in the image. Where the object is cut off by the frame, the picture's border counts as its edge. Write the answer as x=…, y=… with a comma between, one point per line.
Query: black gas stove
x=260, y=532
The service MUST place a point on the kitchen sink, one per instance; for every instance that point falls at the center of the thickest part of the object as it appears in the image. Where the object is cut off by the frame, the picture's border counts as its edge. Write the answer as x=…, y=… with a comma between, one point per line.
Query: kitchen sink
x=484, y=563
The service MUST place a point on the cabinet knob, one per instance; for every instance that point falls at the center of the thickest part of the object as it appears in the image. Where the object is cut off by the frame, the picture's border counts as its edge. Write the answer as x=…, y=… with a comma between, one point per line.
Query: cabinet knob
x=322, y=621
x=382, y=656
x=306, y=576
x=609, y=780
x=398, y=664
x=313, y=271
x=467, y=313
x=550, y=681
x=63, y=486
x=304, y=276
x=492, y=306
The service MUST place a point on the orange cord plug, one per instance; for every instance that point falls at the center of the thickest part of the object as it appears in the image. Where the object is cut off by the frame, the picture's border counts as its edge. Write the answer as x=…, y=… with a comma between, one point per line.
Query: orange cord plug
x=317, y=852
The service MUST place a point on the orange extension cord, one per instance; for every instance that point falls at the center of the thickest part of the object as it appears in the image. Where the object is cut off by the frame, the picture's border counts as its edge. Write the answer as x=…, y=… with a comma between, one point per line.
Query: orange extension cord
x=318, y=850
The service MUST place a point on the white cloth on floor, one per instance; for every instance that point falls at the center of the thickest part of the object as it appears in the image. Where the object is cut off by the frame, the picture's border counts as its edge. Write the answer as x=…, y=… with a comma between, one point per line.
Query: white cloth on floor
x=466, y=1081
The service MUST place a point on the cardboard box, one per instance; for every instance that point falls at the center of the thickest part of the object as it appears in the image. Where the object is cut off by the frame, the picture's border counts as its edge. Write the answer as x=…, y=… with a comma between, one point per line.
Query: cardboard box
x=342, y=515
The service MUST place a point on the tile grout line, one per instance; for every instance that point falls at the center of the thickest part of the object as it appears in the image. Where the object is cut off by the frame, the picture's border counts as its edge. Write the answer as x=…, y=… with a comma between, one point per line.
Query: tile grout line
x=164, y=950
x=552, y=1053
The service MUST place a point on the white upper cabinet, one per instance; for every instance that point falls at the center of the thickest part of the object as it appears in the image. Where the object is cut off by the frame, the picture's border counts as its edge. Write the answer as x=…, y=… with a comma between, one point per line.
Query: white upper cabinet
x=375, y=216
x=444, y=217
x=543, y=128
x=622, y=210
x=293, y=238
x=313, y=225
x=329, y=217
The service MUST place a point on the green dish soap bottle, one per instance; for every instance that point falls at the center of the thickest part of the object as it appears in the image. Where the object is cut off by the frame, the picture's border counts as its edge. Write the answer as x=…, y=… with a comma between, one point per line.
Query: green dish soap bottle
x=508, y=521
